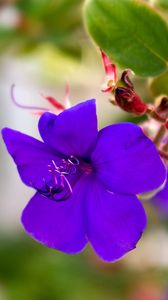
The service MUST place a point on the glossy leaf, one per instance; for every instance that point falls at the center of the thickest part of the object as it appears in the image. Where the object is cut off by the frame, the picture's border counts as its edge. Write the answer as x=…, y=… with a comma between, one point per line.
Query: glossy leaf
x=130, y=32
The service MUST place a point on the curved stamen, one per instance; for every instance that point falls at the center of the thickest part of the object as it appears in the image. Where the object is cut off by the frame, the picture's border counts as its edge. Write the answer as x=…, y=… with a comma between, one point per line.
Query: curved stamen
x=69, y=166
x=22, y=105
x=59, y=183
x=73, y=160
x=68, y=184
x=54, y=102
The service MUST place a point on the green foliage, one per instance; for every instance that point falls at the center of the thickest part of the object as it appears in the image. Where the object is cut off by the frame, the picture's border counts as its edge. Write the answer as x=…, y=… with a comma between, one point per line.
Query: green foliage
x=6, y=36
x=162, y=3
x=53, y=22
x=131, y=33
x=31, y=271
x=159, y=85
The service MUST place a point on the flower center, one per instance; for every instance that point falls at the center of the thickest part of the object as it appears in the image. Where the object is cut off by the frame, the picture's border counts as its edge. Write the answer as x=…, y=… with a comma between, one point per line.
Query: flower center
x=57, y=186
x=86, y=167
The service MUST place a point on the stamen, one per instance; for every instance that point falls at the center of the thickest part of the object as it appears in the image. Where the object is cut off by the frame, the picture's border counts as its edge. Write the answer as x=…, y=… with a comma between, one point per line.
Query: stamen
x=22, y=105
x=54, y=102
x=58, y=188
x=57, y=106
x=69, y=186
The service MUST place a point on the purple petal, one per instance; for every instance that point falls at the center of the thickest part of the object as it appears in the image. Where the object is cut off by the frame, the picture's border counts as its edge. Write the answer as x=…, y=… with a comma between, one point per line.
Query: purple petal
x=126, y=161
x=59, y=225
x=72, y=132
x=115, y=222
x=160, y=200
x=31, y=156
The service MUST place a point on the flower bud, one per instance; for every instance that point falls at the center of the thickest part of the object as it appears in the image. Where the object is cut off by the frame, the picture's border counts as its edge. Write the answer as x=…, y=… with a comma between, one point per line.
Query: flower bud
x=126, y=80
x=129, y=101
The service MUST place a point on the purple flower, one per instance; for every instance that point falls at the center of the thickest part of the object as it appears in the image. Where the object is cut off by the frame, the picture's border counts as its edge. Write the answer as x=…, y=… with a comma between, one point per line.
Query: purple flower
x=85, y=181
x=160, y=201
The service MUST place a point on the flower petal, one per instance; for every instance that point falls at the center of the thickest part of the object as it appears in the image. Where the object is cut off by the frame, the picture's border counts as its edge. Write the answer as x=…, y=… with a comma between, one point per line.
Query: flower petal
x=160, y=200
x=31, y=156
x=115, y=222
x=72, y=132
x=126, y=161
x=59, y=225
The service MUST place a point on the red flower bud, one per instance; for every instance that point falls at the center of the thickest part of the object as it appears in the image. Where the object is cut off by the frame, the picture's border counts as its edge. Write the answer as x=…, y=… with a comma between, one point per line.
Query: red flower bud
x=129, y=101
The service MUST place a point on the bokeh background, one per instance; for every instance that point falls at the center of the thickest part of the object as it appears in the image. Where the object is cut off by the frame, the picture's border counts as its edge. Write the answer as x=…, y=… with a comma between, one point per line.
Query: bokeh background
x=43, y=44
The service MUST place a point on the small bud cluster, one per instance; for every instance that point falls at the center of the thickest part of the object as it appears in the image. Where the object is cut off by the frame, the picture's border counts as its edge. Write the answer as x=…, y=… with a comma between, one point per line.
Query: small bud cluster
x=128, y=100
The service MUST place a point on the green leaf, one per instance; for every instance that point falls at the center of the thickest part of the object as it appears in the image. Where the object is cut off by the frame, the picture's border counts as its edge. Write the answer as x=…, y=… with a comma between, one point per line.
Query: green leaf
x=159, y=85
x=131, y=33
x=162, y=3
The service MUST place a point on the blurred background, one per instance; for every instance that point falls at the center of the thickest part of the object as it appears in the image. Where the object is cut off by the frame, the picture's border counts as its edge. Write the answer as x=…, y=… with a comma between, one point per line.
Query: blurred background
x=43, y=44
